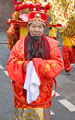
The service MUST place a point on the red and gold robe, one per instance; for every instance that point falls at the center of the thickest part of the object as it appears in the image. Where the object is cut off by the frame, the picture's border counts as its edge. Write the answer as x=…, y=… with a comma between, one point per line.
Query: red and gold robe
x=47, y=69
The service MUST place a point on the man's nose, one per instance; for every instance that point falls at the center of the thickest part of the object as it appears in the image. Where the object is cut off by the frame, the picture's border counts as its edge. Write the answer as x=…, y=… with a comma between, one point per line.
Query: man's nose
x=36, y=29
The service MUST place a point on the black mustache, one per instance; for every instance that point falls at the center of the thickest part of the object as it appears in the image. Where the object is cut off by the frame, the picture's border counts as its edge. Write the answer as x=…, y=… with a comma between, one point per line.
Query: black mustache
x=35, y=38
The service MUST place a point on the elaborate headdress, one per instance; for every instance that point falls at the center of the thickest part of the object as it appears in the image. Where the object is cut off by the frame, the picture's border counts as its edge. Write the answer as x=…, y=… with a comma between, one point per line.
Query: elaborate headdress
x=37, y=12
x=37, y=17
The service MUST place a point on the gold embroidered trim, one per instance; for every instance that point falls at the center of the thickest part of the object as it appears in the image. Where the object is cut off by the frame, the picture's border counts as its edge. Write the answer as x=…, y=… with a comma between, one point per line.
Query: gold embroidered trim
x=22, y=49
x=53, y=50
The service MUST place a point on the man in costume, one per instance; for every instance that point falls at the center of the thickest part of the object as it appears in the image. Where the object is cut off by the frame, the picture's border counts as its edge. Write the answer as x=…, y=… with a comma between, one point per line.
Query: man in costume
x=16, y=31
x=63, y=12
x=22, y=8
x=34, y=62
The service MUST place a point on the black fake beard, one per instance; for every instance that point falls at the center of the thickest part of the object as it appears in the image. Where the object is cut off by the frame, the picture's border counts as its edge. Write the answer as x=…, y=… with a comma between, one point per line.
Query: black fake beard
x=32, y=51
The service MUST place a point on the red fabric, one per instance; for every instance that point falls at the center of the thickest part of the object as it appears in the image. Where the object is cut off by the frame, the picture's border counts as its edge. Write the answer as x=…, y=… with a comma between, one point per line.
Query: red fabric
x=68, y=57
x=47, y=70
x=13, y=34
x=53, y=37
x=33, y=17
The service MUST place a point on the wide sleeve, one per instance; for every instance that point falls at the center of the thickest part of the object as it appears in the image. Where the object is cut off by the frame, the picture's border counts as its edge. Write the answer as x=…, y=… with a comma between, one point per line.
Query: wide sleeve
x=49, y=68
x=16, y=66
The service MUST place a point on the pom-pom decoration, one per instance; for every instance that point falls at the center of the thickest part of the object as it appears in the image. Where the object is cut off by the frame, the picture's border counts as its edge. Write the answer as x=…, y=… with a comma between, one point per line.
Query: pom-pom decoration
x=33, y=6
x=30, y=6
x=37, y=5
x=21, y=7
x=47, y=7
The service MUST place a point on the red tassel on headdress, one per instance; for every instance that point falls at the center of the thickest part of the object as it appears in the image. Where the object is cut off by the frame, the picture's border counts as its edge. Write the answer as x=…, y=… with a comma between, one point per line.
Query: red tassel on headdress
x=30, y=6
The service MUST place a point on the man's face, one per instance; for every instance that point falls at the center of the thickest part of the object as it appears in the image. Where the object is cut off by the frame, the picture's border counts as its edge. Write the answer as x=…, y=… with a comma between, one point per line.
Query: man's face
x=36, y=29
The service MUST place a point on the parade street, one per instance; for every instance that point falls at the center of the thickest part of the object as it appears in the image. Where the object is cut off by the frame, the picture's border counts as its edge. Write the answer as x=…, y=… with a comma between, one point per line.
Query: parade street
x=63, y=104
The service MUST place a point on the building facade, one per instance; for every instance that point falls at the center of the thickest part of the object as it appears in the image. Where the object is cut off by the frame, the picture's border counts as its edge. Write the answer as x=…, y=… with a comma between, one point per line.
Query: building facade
x=6, y=8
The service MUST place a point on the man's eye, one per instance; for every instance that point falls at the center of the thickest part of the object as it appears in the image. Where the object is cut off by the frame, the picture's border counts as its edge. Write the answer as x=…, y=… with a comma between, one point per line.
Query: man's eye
x=33, y=26
x=39, y=27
